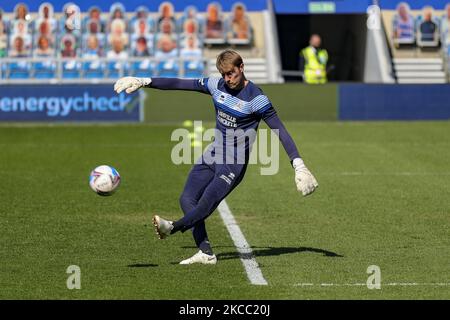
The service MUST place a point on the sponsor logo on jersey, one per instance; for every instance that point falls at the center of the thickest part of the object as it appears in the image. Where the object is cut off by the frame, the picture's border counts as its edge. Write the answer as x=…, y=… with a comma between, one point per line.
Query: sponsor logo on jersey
x=226, y=119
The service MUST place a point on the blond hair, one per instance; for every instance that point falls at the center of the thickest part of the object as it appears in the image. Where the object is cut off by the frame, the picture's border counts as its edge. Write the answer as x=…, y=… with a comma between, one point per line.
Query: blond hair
x=228, y=58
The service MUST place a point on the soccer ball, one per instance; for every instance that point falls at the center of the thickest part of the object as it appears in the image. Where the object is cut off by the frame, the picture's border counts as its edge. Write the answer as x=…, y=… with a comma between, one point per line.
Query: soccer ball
x=104, y=180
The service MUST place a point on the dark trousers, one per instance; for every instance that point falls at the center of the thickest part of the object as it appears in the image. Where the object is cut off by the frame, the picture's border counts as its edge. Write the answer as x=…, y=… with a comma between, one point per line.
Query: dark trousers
x=206, y=186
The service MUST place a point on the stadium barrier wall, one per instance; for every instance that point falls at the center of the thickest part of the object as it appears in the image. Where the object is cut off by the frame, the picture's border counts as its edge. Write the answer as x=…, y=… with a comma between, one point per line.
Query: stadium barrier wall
x=293, y=101
x=77, y=103
x=394, y=102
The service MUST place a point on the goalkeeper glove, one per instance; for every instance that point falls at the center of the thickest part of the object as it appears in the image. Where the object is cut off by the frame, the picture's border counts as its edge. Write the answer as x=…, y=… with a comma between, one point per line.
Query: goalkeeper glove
x=305, y=181
x=131, y=84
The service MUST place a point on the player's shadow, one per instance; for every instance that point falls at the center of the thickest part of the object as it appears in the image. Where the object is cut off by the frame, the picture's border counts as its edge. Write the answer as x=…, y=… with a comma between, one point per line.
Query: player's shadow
x=142, y=265
x=272, y=251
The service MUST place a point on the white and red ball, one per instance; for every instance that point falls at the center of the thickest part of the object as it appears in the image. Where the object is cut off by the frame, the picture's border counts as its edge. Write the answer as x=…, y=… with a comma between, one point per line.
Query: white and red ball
x=104, y=180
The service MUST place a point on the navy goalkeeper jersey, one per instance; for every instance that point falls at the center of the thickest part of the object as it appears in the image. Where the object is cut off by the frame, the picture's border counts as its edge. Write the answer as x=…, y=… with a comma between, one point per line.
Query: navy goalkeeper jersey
x=238, y=113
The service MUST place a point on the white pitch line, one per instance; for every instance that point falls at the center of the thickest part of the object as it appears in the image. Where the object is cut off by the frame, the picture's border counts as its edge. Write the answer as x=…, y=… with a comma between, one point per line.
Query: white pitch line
x=392, y=284
x=360, y=173
x=254, y=273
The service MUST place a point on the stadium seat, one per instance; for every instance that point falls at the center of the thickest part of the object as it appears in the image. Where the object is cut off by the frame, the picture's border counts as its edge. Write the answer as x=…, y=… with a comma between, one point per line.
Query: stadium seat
x=142, y=12
x=19, y=70
x=165, y=12
x=93, y=70
x=149, y=43
x=214, y=31
x=190, y=12
x=142, y=68
x=3, y=70
x=403, y=28
x=427, y=39
x=168, y=68
x=44, y=70
x=193, y=69
x=116, y=69
x=117, y=12
x=71, y=70
x=94, y=13
x=238, y=26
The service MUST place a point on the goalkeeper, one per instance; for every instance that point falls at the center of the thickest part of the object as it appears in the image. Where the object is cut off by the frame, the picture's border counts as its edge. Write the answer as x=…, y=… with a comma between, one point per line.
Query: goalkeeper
x=239, y=104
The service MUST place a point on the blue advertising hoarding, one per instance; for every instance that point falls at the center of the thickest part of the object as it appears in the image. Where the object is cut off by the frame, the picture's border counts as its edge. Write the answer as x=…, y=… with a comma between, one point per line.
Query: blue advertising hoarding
x=72, y=102
x=394, y=101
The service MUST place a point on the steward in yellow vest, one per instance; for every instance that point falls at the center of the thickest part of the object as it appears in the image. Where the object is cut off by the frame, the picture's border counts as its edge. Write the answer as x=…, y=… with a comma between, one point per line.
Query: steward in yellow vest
x=313, y=61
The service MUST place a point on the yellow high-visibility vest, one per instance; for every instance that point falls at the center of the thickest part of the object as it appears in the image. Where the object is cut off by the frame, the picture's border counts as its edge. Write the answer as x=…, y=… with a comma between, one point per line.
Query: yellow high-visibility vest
x=315, y=65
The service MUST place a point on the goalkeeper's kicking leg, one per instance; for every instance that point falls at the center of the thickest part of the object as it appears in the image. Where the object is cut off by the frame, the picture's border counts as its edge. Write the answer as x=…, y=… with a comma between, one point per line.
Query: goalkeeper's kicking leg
x=204, y=190
x=197, y=181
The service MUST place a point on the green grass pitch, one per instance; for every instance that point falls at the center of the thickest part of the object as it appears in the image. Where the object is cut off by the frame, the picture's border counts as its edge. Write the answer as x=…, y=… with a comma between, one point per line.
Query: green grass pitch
x=384, y=199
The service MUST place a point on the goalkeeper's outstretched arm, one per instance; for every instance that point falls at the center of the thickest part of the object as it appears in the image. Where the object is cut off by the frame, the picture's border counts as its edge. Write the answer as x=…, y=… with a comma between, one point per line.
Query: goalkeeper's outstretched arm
x=305, y=181
x=131, y=84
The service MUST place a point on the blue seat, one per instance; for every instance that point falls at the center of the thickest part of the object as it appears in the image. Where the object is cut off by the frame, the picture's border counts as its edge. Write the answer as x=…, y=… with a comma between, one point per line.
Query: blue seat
x=71, y=70
x=3, y=70
x=44, y=70
x=142, y=68
x=19, y=70
x=93, y=70
x=168, y=68
x=193, y=69
x=114, y=69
